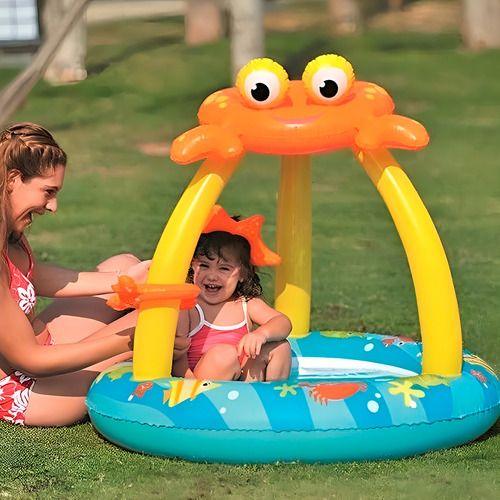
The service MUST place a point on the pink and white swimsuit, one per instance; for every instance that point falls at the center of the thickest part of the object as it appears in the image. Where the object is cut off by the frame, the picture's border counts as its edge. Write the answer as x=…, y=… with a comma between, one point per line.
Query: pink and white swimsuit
x=15, y=388
x=206, y=335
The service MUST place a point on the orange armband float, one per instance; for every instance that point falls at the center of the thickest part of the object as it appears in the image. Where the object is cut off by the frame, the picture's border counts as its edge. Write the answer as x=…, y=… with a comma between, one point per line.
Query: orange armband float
x=129, y=294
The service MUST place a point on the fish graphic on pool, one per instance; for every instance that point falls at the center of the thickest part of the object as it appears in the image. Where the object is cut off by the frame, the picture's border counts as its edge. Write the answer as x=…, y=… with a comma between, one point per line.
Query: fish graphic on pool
x=183, y=389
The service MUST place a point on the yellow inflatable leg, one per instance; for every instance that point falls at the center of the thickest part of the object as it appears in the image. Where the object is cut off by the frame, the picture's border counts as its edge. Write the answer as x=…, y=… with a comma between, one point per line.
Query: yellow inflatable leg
x=293, y=242
x=155, y=332
x=436, y=300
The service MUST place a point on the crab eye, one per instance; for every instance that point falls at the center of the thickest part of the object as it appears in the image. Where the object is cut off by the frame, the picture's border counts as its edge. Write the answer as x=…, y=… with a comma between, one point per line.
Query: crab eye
x=327, y=78
x=262, y=83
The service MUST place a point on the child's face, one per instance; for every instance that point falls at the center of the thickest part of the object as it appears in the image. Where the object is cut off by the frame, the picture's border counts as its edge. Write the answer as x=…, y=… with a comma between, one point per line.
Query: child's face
x=32, y=196
x=217, y=277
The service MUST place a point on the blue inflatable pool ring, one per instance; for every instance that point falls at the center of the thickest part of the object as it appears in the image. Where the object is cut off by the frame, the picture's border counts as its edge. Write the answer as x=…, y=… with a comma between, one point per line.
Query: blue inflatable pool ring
x=351, y=396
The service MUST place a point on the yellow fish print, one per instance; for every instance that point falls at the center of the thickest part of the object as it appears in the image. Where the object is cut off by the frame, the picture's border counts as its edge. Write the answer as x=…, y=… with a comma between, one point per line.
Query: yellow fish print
x=183, y=389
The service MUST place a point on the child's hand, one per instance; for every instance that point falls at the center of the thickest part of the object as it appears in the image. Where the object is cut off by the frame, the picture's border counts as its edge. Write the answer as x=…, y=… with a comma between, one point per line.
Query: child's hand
x=181, y=346
x=251, y=344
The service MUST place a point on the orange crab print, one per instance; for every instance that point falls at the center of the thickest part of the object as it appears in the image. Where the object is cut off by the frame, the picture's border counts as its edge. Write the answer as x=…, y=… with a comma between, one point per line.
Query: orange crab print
x=322, y=393
x=140, y=390
x=327, y=110
x=398, y=341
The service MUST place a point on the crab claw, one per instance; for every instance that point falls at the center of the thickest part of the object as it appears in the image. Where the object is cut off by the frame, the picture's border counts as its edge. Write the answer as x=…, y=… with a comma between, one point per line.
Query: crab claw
x=203, y=142
x=391, y=131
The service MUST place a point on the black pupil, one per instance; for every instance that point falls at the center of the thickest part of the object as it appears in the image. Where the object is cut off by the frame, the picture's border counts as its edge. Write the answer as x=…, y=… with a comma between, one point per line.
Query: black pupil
x=329, y=88
x=260, y=92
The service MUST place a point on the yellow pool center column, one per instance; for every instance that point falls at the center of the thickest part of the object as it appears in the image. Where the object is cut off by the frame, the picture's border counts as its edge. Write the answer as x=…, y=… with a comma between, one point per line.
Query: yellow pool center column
x=436, y=300
x=156, y=326
x=293, y=243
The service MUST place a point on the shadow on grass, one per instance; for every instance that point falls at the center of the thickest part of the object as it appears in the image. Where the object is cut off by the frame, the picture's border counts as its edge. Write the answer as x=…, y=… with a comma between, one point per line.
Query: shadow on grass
x=131, y=50
x=391, y=42
x=491, y=433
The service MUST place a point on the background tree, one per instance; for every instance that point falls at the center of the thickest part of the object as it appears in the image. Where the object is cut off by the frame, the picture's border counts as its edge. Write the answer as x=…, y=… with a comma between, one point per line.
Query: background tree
x=481, y=23
x=15, y=93
x=395, y=5
x=247, y=32
x=68, y=64
x=202, y=22
x=345, y=16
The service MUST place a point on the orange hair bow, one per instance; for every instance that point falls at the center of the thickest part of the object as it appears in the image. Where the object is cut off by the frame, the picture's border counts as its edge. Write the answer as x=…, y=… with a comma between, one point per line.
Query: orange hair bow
x=250, y=229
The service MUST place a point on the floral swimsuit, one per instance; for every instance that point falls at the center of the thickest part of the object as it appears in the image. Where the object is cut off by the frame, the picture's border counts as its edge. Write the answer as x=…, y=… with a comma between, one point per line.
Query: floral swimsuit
x=15, y=388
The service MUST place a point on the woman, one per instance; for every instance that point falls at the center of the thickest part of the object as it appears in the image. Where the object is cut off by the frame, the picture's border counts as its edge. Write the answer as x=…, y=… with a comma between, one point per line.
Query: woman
x=48, y=362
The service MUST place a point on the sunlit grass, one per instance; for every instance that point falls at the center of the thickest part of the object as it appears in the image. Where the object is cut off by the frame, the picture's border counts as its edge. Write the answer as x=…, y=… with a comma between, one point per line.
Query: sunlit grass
x=145, y=86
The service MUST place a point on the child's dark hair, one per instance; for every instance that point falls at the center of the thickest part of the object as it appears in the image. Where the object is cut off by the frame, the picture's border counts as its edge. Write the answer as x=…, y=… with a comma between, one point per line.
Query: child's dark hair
x=214, y=245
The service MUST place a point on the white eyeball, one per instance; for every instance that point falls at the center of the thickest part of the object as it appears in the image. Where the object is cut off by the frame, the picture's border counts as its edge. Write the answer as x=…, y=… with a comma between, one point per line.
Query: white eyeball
x=263, y=83
x=262, y=88
x=329, y=84
x=327, y=78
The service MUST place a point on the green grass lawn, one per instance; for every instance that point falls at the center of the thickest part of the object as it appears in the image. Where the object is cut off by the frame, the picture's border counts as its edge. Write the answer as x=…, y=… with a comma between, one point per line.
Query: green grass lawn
x=144, y=86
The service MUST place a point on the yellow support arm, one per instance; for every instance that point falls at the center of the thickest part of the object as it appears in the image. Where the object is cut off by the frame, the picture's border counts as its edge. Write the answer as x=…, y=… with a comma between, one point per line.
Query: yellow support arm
x=293, y=243
x=155, y=331
x=436, y=300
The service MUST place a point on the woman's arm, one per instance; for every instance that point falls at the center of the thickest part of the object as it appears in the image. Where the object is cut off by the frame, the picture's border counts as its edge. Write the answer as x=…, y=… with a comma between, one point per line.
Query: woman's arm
x=55, y=281
x=20, y=349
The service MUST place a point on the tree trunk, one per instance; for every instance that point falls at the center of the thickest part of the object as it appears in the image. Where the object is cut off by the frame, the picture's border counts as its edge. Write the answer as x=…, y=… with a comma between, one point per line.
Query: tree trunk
x=395, y=5
x=202, y=22
x=16, y=92
x=345, y=17
x=481, y=24
x=68, y=65
x=247, y=32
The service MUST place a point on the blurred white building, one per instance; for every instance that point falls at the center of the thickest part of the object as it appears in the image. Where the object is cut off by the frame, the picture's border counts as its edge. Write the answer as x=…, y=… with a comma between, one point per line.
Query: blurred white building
x=19, y=22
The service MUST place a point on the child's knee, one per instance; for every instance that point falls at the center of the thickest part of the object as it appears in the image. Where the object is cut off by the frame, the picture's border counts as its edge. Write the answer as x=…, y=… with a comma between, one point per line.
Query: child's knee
x=223, y=355
x=280, y=348
x=119, y=263
x=219, y=362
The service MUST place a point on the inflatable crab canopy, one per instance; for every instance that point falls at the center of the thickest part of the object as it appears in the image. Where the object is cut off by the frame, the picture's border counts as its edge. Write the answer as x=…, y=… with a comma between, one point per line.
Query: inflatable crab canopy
x=390, y=388
x=325, y=111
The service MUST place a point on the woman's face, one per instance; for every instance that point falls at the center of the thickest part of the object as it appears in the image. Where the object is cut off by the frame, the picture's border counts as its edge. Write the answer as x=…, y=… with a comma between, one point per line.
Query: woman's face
x=32, y=196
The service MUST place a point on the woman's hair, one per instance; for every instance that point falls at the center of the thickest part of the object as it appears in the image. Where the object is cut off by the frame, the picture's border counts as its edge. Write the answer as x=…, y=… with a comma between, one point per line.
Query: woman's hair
x=220, y=244
x=29, y=149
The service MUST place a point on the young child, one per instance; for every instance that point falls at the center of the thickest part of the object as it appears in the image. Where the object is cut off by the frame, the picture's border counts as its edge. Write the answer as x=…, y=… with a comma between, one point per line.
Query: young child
x=226, y=344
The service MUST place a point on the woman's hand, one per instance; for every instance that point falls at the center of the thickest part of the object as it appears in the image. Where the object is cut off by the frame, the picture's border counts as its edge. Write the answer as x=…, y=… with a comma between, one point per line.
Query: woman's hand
x=139, y=272
x=251, y=344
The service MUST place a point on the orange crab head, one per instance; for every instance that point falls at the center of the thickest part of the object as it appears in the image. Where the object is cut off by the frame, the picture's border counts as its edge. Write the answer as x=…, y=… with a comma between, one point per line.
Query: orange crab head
x=324, y=111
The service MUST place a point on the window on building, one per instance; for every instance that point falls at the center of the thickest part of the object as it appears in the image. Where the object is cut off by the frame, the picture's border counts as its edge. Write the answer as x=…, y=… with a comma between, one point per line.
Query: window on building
x=19, y=22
